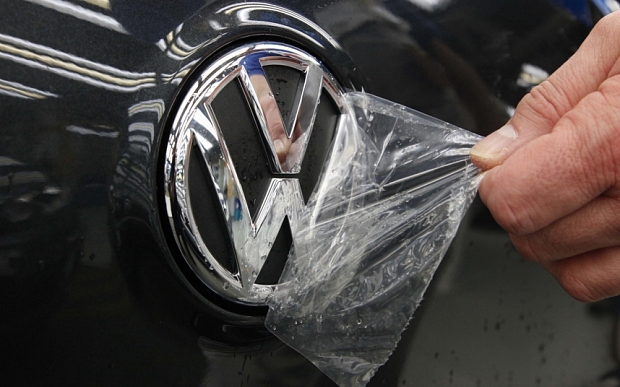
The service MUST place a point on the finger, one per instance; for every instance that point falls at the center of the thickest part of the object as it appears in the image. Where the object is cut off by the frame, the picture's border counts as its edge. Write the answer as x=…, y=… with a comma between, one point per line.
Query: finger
x=591, y=276
x=275, y=125
x=592, y=227
x=541, y=109
x=560, y=172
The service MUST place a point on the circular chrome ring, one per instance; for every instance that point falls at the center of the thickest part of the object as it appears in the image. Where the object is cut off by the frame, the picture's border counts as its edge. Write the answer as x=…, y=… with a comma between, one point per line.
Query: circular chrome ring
x=195, y=127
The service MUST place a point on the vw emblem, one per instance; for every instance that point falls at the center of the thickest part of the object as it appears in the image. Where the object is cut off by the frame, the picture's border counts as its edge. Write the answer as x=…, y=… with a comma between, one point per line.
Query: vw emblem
x=244, y=153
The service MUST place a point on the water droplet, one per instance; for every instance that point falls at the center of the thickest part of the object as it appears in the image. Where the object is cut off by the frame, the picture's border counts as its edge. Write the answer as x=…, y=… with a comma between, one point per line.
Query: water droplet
x=359, y=321
x=226, y=285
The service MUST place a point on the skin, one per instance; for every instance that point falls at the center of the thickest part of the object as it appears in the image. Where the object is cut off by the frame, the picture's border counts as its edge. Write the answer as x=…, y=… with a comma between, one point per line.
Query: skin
x=282, y=143
x=553, y=174
x=285, y=147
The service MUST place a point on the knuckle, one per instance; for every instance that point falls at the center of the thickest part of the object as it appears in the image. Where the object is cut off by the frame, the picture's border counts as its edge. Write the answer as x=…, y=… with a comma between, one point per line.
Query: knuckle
x=610, y=90
x=612, y=223
x=577, y=286
x=595, y=140
x=607, y=27
x=525, y=246
x=608, y=114
x=511, y=204
x=529, y=248
x=546, y=101
x=514, y=217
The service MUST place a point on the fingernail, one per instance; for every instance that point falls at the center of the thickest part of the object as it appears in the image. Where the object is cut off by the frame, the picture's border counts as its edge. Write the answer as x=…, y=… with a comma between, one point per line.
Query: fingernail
x=279, y=146
x=495, y=145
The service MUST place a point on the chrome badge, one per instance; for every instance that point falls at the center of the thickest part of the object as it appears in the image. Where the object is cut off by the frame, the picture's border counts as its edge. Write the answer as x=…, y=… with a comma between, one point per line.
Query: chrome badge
x=245, y=150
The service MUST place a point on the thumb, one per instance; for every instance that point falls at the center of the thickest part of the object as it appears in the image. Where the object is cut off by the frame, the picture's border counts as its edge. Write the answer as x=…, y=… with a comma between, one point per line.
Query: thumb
x=541, y=109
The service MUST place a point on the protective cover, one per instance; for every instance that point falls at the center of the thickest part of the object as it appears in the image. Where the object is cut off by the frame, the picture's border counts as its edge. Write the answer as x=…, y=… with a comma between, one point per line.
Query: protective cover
x=395, y=187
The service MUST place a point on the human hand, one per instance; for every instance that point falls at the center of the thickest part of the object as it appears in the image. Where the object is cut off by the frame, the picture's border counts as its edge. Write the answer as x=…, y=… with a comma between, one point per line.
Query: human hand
x=553, y=179
x=279, y=139
x=273, y=119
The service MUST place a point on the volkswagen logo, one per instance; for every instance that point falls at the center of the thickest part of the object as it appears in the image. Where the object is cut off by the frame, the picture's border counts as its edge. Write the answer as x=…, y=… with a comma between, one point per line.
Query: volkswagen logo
x=245, y=151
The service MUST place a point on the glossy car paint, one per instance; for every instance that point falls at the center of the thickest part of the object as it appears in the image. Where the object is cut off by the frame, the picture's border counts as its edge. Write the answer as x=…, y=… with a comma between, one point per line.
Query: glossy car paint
x=90, y=291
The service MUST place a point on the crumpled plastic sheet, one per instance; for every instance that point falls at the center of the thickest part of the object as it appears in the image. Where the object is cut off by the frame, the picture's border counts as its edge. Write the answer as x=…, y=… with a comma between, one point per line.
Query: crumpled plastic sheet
x=392, y=194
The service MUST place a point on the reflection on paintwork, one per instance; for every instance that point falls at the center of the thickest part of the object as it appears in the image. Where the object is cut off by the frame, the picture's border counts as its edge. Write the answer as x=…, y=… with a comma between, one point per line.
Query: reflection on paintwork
x=342, y=18
x=175, y=47
x=25, y=192
x=216, y=26
x=263, y=14
x=91, y=132
x=83, y=13
x=105, y=4
x=431, y=5
x=17, y=178
x=531, y=76
x=7, y=161
x=129, y=173
x=73, y=67
x=443, y=83
x=178, y=76
x=133, y=165
x=141, y=135
x=156, y=106
x=39, y=242
x=236, y=17
x=14, y=89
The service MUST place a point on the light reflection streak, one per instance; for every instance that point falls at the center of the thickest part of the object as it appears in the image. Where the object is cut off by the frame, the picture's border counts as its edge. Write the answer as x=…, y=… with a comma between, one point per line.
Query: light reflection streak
x=18, y=90
x=176, y=78
x=71, y=66
x=144, y=128
x=214, y=24
x=156, y=106
x=25, y=177
x=141, y=134
x=12, y=94
x=245, y=9
x=82, y=13
x=105, y=4
x=37, y=48
x=7, y=161
x=91, y=132
x=176, y=48
x=430, y=5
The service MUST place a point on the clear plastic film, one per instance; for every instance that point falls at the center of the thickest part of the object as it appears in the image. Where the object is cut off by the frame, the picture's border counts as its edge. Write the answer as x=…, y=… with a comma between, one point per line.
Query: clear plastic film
x=392, y=194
